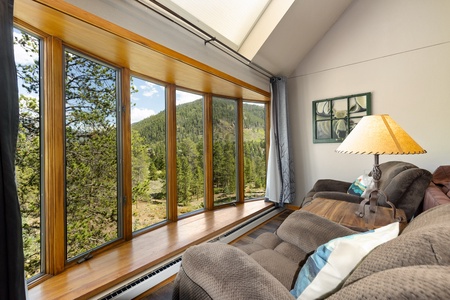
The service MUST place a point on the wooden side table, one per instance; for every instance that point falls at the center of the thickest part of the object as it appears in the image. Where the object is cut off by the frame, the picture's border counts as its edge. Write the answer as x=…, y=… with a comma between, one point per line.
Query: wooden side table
x=343, y=212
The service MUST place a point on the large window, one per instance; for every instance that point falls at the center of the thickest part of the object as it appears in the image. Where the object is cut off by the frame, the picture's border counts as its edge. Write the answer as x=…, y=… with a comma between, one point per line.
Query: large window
x=110, y=148
x=254, y=150
x=224, y=150
x=91, y=154
x=148, y=158
x=27, y=51
x=190, y=165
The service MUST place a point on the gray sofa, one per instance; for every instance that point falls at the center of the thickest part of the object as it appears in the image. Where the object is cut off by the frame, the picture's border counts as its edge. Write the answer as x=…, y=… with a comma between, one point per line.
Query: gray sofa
x=403, y=183
x=414, y=265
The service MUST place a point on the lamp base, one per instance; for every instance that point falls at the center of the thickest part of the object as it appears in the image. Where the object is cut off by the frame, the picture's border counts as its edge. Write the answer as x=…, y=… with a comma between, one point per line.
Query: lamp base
x=373, y=202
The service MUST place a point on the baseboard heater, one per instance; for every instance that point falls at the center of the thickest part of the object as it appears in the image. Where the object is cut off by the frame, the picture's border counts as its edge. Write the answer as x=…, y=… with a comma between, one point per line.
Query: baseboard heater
x=146, y=280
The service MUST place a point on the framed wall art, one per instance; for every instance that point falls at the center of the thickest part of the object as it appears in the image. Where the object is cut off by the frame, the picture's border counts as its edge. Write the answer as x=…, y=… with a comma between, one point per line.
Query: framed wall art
x=333, y=119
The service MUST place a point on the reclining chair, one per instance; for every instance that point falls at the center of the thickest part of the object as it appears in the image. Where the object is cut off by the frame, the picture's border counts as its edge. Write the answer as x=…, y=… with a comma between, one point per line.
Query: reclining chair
x=403, y=183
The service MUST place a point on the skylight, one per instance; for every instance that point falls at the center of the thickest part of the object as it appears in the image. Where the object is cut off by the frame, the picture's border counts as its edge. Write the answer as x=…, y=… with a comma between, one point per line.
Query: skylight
x=231, y=20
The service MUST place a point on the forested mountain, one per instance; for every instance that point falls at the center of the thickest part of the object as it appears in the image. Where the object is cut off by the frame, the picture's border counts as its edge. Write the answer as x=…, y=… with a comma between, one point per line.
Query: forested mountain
x=190, y=122
x=150, y=133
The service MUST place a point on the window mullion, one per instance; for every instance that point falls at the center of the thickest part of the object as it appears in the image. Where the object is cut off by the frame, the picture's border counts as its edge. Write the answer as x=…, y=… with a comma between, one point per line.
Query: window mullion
x=208, y=153
x=240, y=152
x=172, y=211
x=126, y=156
x=54, y=156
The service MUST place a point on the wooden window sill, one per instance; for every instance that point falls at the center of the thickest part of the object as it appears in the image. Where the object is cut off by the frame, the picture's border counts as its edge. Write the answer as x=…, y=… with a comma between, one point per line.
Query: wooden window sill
x=143, y=252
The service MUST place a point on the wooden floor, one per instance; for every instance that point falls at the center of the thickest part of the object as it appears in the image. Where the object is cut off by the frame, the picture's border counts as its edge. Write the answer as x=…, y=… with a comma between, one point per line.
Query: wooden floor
x=130, y=258
x=165, y=293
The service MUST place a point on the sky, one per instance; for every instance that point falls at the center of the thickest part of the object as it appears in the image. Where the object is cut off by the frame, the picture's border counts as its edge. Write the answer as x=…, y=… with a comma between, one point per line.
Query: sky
x=150, y=99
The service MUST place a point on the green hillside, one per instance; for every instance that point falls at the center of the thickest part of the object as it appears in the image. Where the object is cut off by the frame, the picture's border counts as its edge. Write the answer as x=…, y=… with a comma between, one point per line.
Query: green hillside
x=190, y=119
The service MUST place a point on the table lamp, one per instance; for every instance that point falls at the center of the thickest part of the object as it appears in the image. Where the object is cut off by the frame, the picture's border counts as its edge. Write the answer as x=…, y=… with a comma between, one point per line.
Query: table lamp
x=378, y=134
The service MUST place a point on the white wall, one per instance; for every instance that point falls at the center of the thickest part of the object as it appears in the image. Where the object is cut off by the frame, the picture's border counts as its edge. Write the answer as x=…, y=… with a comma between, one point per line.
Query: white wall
x=400, y=51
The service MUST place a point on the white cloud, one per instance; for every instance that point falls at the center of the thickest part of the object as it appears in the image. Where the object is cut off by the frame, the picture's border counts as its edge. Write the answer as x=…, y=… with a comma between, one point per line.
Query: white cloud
x=149, y=89
x=138, y=114
x=185, y=97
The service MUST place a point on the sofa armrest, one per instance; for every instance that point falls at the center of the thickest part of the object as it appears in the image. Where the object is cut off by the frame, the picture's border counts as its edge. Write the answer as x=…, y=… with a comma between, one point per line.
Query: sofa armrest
x=434, y=197
x=323, y=185
x=339, y=196
x=235, y=275
x=326, y=185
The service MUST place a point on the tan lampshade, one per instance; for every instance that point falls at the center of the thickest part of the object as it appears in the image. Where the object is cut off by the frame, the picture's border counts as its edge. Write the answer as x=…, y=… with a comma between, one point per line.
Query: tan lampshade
x=379, y=134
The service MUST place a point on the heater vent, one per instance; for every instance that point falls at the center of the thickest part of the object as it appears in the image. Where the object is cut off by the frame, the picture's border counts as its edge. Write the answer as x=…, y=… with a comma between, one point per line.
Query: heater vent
x=146, y=281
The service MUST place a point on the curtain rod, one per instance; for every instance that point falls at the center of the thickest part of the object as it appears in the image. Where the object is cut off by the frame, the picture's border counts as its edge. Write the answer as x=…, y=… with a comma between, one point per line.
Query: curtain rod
x=200, y=33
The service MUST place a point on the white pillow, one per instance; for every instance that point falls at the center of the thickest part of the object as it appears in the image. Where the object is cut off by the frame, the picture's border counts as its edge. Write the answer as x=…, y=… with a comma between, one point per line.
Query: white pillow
x=326, y=269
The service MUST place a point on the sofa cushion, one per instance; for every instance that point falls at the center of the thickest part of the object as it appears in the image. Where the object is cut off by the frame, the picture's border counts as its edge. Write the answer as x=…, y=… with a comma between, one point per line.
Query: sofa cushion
x=281, y=267
x=307, y=231
x=414, y=282
x=265, y=240
x=439, y=215
x=442, y=176
x=434, y=196
x=425, y=241
x=428, y=246
x=325, y=270
x=220, y=271
x=292, y=252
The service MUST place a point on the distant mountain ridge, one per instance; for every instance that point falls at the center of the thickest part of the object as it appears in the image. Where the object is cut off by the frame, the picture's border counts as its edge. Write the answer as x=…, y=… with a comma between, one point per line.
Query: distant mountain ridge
x=190, y=122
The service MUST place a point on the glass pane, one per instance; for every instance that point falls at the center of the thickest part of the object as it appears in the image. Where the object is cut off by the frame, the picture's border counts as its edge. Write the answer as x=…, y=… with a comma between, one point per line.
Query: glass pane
x=28, y=162
x=232, y=19
x=224, y=150
x=91, y=150
x=190, y=187
x=148, y=147
x=254, y=150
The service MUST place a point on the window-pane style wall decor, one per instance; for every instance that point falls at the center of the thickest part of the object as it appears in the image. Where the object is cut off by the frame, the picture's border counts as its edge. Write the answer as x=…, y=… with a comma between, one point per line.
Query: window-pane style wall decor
x=333, y=119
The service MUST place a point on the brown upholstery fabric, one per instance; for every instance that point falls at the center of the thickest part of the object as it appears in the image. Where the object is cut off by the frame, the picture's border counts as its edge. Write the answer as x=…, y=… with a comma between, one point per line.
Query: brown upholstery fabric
x=225, y=272
x=300, y=234
x=415, y=282
x=421, y=247
x=281, y=267
x=266, y=240
x=439, y=215
x=190, y=289
x=434, y=196
x=424, y=243
x=442, y=176
x=415, y=265
x=307, y=231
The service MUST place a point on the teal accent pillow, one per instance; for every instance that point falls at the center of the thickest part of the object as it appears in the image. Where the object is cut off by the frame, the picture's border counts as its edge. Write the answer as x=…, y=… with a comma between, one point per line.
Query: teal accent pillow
x=326, y=269
x=359, y=185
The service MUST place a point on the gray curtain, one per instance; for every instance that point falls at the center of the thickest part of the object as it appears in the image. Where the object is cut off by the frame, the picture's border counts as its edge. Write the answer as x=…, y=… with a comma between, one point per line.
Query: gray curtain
x=12, y=278
x=280, y=186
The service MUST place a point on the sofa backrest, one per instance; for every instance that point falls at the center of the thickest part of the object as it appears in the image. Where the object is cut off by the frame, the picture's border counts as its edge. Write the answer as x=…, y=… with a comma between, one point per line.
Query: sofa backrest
x=423, y=247
x=404, y=184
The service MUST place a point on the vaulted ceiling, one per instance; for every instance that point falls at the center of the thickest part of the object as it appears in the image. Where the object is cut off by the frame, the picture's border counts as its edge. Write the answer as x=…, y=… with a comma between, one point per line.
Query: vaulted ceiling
x=276, y=35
